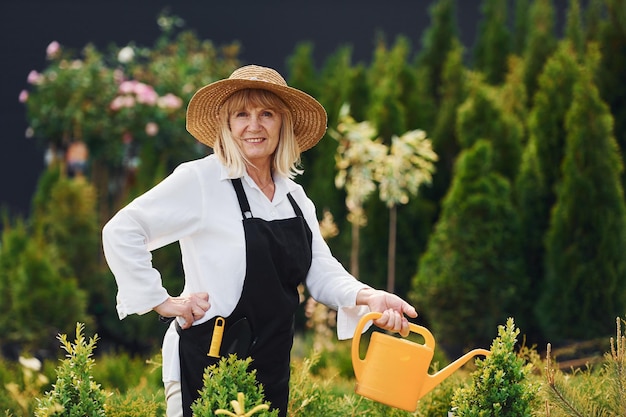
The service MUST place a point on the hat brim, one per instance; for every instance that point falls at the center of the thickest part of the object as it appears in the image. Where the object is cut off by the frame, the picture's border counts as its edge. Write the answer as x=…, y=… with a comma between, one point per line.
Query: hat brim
x=203, y=123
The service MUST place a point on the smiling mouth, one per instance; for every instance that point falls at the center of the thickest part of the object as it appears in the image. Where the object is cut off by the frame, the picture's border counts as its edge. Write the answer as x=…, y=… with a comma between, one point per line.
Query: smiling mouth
x=254, y=140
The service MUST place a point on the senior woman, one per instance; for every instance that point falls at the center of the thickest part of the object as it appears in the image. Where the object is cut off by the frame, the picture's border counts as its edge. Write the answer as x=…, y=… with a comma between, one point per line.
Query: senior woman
x=248, y=236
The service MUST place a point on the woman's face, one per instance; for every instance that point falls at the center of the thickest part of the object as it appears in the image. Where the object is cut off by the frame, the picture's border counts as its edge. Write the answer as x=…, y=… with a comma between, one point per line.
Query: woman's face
x=256, y=130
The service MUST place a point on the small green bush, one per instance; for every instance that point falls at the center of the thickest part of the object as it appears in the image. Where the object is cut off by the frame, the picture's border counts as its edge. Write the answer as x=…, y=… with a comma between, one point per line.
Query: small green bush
x=75, y=393
x=591, y=392
x=222, y=384
x=500, y=385
x=141, y=401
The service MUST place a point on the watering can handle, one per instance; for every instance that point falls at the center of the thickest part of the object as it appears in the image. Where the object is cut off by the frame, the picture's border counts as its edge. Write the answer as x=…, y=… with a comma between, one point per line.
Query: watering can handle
x=357, y=362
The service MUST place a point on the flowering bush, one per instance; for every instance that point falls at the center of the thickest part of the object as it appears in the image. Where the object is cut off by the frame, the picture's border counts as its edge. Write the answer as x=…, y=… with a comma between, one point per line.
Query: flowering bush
x=126, y=100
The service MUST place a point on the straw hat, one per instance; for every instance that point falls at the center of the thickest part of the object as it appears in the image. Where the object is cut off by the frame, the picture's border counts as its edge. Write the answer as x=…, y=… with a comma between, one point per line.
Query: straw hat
x=202, y=113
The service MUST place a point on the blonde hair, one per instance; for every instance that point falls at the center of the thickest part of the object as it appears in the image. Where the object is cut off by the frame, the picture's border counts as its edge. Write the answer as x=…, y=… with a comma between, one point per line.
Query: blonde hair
x=286, y=160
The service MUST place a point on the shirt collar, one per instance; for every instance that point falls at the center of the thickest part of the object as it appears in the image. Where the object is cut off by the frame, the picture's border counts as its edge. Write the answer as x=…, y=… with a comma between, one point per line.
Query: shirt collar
x=283, y=186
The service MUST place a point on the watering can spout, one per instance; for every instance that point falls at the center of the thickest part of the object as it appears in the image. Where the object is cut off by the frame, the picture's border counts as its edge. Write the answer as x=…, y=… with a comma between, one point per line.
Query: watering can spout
x=433, y=380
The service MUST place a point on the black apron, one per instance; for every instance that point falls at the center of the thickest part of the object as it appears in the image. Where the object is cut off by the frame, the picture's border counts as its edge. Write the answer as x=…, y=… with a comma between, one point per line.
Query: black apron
x=278, y=258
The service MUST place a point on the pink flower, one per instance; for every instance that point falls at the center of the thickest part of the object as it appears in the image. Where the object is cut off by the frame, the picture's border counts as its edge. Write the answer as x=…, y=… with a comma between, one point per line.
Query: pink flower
x=170, y=101
x=146, y=94
x=23, y=96
x=128, y=87
x=34, y=77
x=53, y=49
x=152, y=129
x=120, y=102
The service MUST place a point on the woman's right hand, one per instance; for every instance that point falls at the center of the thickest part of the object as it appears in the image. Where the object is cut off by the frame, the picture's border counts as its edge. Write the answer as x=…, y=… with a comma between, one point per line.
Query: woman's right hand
x=190, y=307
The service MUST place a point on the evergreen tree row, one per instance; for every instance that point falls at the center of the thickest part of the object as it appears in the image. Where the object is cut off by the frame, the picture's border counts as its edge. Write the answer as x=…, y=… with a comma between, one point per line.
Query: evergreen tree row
x=524, y=218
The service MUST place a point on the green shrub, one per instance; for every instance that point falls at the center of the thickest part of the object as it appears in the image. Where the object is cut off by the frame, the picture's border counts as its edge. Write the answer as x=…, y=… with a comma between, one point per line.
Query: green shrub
x=123, y=372
x=140, y=401
x=222, y=384
x=500, y=384
x=590, y=393
x=75, y=393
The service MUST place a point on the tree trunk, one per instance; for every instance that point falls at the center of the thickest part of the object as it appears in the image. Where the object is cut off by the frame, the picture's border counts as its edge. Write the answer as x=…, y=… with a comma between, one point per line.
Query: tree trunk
x=391, y=249
x=354, y=253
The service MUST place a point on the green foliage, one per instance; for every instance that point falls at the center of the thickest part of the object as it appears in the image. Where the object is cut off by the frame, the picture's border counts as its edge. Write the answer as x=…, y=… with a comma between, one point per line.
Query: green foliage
x=334, y=87
x=387, y=112
x=75, y=393
x=482, y=117
x=471, y=275
x=590, y=393
x=437, y=402
x=540, y=42
x=520, y=27
x=35, y=284
x=541, y=161
x=136, y=404
x=500, y=386
x=223, y=382
x=612, y=39
x=437, y=42
x=73, y=97
x=585, y=266
x=23, y=381
x=573, y=27
x=494, y=42
x=65, y=215
x=122, y=372
x=444, y=134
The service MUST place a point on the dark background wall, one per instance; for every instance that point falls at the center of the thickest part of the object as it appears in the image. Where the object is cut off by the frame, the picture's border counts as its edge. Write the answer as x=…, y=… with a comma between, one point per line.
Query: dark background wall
x=267, y=30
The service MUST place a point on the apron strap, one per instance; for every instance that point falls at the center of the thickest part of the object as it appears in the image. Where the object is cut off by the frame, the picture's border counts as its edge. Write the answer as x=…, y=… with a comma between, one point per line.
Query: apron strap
x=295, y=206
x=243, y=200
x=246, y=213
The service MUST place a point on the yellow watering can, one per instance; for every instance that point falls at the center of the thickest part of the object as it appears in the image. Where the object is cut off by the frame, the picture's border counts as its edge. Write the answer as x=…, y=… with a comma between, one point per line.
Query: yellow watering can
x=395, y=370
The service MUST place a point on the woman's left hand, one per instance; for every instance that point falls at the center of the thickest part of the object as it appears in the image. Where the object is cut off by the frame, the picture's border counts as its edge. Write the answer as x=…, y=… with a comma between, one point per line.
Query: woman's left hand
x=393, y=308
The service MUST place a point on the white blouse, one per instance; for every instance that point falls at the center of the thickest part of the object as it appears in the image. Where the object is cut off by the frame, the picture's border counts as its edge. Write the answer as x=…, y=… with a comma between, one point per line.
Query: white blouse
x=197, y=206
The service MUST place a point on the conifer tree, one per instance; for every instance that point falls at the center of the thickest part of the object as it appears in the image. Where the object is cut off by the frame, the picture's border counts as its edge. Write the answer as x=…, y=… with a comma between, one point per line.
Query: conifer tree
x=387, y=112
x=613, y=67
x=35, y=284
x=481, y=116
x=444, y=136
x=593, y=19
x=301, y=69
x=437, y=42
x=547, y=116
x=470, y=276
x=65, y=215
x=585, y=263
x=541, y=159
x=520, y=27
x=302, y=75
x=540, y=42
x=573, y=27
x=513, y=95
x=494, y=42
x=334, y=86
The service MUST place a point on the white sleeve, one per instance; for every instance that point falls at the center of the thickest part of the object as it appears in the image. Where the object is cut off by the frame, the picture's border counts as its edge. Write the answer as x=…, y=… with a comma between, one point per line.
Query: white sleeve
x=330, y=283
x=170, y=210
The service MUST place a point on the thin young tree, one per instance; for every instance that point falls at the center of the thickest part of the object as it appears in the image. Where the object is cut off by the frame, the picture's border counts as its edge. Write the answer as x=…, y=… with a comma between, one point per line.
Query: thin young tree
x=358, y=153
x=409, y=164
